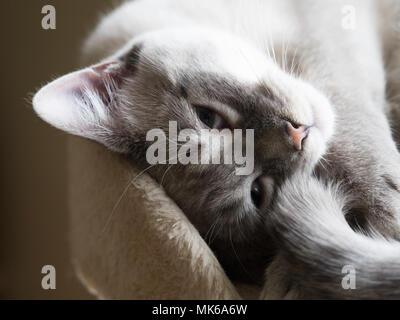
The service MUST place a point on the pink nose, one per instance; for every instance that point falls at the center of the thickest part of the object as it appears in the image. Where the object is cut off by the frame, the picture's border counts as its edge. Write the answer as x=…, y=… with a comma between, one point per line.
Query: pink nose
x=297, y=133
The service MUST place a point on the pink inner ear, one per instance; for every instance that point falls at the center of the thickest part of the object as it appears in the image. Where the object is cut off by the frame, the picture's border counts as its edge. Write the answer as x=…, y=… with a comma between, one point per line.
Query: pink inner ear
x=57, y=104
x=105, y=67
x=103, y=79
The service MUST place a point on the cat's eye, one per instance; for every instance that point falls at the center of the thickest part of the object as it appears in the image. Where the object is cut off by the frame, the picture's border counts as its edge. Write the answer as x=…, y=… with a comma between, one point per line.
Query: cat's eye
x=210, y=118
x=262, y=190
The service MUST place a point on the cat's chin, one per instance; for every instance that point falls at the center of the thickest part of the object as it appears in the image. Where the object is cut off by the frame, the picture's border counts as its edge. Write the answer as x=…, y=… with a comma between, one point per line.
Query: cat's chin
x=322, y=129
x=324, y=119
x=314, y=148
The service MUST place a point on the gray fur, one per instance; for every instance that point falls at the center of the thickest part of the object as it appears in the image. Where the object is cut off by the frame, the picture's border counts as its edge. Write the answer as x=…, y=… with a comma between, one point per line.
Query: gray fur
x=309, y=222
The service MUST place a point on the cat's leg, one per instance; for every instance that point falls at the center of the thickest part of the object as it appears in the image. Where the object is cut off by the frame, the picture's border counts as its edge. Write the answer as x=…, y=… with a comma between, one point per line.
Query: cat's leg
x=362, y=154
x=365, y=158
x=393, y=93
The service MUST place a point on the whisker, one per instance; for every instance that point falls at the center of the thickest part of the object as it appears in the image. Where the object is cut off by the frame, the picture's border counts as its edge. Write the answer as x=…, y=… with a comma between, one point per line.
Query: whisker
x=237, y=257
x=212, y=229
x=292, y=67
x=121, y=197
x=115, y=207
x=165, y=172
x=248, y=62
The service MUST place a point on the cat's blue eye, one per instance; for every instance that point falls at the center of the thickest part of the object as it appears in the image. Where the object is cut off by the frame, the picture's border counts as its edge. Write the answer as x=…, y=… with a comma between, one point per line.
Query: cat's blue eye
x=210, y=118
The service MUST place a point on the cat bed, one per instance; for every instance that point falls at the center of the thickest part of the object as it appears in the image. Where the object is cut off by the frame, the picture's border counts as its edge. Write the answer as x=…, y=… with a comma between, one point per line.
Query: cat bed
x=129, y=240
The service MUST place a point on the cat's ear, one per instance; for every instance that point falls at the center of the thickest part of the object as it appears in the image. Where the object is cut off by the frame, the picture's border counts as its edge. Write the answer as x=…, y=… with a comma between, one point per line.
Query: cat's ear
x=83, y=102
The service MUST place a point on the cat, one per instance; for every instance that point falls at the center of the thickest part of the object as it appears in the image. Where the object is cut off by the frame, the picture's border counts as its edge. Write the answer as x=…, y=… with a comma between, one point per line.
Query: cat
x=277, y=67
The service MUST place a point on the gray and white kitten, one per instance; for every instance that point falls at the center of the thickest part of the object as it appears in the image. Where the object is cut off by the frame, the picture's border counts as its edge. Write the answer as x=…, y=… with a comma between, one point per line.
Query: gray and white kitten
x=263, y=65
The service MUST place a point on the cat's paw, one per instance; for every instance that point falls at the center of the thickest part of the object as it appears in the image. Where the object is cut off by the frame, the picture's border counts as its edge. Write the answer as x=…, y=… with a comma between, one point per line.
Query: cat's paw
x=375, y=206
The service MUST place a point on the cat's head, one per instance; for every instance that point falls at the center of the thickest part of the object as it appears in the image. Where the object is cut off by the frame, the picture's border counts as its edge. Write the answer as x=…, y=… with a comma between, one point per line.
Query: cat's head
x=200, y=79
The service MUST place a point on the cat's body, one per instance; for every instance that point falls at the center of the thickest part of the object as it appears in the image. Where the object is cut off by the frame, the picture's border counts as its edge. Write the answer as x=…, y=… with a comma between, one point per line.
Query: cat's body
x=241, y=53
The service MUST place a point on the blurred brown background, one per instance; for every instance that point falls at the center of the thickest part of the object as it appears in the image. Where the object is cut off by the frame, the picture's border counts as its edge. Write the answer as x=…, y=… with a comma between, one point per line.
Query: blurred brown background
x=34, y=218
